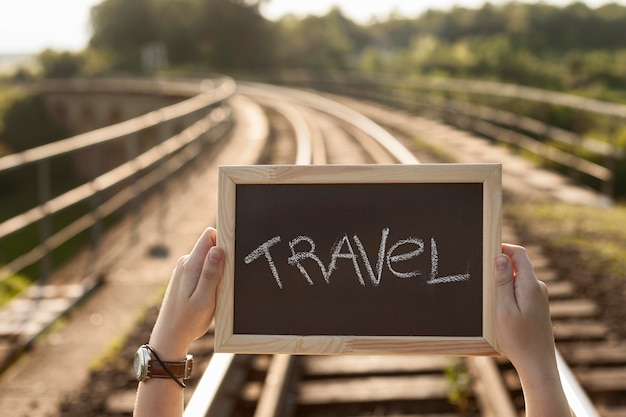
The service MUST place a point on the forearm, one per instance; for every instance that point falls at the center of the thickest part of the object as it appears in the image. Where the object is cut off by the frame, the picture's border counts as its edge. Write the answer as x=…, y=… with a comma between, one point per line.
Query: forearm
x=185, y=315
x=525, y=333
x=543, y=393
x=162, y=396
x=159, y=397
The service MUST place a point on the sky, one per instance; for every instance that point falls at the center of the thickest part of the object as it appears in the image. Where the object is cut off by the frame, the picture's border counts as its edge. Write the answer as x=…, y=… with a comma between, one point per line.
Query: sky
x=30, y=26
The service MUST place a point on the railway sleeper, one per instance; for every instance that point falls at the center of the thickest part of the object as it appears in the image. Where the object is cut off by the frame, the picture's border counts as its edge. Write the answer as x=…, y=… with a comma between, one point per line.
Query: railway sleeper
x=603, y=353
x=321, y=367
x=349, y=391
x=601, y=384
x=390, y=409
x=424, y=393
x=560, y=290
x=573, y=308
x=579, y=330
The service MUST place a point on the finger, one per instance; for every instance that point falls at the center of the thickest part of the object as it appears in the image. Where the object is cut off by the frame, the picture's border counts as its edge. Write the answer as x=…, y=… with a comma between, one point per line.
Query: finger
x=197, y=255
x=528, y=288
x=521, y=261
x=505, y=283
x=523, y=268
x=212, y=272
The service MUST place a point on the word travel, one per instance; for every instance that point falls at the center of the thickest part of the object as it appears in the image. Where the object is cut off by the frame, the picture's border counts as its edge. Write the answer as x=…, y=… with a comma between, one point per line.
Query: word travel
x=401, y=251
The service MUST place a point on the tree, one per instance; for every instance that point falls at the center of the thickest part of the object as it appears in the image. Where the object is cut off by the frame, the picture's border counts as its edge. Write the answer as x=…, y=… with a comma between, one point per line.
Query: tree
x=20, y=133
x=176, y=20
x=121, y=28
x=330, y=42
x=60, y=64
x=218, y=34
x=232, y=34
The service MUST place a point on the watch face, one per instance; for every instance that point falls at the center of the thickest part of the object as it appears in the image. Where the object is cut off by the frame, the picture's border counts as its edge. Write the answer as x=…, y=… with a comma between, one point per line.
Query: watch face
x=141, y=364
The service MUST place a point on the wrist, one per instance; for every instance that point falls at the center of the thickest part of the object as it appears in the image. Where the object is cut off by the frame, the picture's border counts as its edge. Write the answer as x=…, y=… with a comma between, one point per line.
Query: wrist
x=539, y=373
x=169, y=350
x=148, y=364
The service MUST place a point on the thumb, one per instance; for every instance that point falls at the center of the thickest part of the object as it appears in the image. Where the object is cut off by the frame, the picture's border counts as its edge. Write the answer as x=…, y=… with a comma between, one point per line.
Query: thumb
x=505, y=283
x=210, y=276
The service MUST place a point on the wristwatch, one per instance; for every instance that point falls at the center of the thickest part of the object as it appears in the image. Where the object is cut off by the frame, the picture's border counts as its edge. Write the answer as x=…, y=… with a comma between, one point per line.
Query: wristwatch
x=148, y=365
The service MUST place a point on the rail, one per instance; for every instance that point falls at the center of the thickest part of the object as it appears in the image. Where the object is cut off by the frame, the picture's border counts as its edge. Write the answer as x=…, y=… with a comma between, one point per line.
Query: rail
x=146, y=86
x=442, y=98
x=342, y=112
x=577, y=398
x=205, y=399
x=144, y=170
x=139, y=172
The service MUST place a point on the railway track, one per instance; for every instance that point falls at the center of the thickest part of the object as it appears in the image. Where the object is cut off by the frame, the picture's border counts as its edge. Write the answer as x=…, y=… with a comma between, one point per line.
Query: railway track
x=372, y=385
x=307, y=129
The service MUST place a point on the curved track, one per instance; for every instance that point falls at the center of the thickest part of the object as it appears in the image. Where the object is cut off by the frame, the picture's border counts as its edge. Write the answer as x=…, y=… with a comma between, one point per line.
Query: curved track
x=311, y=129
x=304, y=129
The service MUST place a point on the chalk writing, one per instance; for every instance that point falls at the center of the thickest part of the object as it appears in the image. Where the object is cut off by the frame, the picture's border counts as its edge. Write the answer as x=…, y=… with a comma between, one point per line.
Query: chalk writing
x=264, y=249
x=434, y=262
x=404, y=256
x=303, y=247
x=381, y=254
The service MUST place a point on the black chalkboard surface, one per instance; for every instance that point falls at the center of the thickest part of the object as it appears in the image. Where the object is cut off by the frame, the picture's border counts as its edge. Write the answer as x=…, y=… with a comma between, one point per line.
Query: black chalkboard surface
x=358, y=259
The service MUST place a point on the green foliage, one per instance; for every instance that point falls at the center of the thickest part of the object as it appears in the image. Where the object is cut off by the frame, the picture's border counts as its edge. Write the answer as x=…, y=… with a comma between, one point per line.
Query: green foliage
x=570, y=48
x=234, y=35
x=8, y=96
x=121, y=27
x=459, y=384
x=60, y=64
x=597, y=234
x=216, y=34
x=564, y=48
x=321, y=43
x=13, y=286
x=26, y=124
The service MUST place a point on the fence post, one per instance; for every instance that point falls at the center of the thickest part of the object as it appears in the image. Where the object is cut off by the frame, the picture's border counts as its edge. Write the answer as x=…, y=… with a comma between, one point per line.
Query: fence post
x=608, y=187
x=96, y=228
x=159, y=249
x=132, y=150
x=45, y=224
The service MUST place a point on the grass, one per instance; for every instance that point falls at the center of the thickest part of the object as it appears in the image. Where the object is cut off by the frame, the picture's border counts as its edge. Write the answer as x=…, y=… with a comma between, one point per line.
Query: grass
x=23, y=241
x=587, y=245
x=596, y=235
x=13, y=286
x=9, y=93
x=459, y=384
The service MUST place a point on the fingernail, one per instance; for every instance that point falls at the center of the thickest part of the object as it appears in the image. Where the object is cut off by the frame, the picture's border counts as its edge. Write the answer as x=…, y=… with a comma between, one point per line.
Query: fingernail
x=215, y=255
x=502, y=262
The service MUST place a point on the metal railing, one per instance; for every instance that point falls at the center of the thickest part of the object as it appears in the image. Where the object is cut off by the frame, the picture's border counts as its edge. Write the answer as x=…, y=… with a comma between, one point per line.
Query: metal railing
x=196, y=122
x=459, y=102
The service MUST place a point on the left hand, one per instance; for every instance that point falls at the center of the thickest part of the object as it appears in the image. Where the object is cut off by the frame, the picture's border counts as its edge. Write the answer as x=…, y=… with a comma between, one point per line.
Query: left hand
x=189, y=301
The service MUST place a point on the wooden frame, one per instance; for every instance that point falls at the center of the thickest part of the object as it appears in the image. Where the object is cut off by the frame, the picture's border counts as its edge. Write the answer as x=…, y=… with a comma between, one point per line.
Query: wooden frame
x=489, y=175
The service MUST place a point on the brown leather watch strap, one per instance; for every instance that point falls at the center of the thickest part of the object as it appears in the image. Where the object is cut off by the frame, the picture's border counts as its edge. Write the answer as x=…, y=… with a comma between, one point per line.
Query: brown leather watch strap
x=179, y=369
x=174, y=370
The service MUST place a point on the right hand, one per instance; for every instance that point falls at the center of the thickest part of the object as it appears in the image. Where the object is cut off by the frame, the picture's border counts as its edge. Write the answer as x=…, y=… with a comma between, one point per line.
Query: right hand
x=524, y=328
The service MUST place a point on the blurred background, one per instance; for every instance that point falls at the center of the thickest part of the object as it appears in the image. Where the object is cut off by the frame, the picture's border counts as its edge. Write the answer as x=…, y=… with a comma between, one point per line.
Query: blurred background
x=406, y=52
x=576, y=46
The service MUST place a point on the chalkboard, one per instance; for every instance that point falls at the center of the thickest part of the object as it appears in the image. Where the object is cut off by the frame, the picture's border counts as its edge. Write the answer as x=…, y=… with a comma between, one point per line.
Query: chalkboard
x=376, y=259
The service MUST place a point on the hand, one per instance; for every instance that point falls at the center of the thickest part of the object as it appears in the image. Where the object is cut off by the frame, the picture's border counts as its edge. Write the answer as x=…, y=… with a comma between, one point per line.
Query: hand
x=524, y=333
x=189, y=301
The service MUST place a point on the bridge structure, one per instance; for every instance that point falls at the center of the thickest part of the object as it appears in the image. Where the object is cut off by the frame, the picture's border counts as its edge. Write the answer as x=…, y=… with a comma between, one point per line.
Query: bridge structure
x=81, y=184
x=137, y=140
